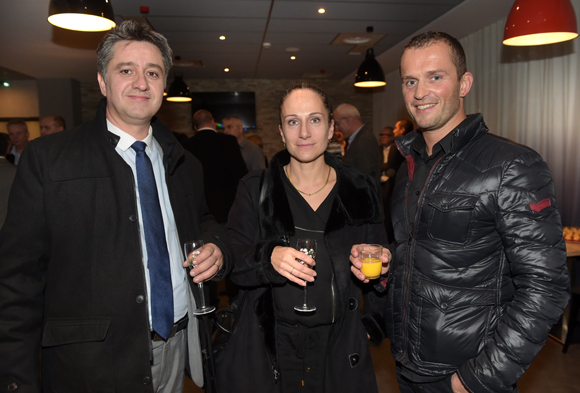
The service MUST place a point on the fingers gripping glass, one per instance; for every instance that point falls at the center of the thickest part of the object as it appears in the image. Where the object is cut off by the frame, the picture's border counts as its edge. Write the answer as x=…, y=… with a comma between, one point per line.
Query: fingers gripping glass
x=192, y=250
x=308, y=247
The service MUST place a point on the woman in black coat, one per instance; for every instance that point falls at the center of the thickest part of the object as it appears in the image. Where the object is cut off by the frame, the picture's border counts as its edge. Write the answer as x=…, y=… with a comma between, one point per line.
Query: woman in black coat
x=305, y=193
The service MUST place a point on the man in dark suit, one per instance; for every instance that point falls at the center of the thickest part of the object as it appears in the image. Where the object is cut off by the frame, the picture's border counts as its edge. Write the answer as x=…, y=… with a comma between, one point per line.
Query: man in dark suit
x=91, y=267
x=362, y=150
x=222, y=162
x=7, y=173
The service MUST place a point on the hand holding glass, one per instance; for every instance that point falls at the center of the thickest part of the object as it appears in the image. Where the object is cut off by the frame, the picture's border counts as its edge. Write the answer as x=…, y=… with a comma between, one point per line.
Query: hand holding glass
x=370, y=256
x=192, y=249
x=308, y=247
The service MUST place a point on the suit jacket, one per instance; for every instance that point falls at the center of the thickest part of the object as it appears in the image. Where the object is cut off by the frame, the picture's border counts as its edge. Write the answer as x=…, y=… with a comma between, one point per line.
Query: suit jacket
x=7, y=173
x=363, y=153
x=223, y=167
x=72, y=279
x=389, y=168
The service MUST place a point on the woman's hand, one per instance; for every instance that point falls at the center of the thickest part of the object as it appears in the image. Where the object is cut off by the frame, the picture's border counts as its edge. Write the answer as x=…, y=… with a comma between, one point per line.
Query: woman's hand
x=357, y=264
x=286, y=261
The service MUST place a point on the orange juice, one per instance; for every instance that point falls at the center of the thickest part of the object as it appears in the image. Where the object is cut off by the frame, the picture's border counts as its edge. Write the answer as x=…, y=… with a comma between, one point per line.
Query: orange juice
x=371, y=267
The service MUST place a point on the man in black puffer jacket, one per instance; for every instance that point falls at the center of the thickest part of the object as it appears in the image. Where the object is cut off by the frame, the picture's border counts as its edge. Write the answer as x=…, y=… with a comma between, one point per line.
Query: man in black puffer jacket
x=479, y=272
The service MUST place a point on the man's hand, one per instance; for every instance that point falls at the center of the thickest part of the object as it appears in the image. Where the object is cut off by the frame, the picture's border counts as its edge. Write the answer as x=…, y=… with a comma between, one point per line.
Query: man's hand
x=286, y=261
x=209, y=262
x=357, y=264
x=457, y=385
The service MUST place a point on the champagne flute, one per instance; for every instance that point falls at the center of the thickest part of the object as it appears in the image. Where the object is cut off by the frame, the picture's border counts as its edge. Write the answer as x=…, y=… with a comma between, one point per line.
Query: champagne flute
x=308, y=247
x=192, y=250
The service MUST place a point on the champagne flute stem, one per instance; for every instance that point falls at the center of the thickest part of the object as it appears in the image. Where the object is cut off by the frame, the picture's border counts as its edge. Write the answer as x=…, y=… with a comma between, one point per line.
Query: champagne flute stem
x=305, y=282
x=201, y=294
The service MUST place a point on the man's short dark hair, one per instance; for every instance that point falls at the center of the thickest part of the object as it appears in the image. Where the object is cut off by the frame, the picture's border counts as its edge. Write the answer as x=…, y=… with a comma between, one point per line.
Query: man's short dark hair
x=132, y=30
x=4, y=142
x=59, y=121
x=431, y=37
x=17, y=122
x=202, y=118
x=407, y=126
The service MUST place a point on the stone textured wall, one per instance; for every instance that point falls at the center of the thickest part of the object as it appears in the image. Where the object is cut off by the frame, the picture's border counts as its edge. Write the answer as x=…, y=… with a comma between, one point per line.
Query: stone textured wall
x=177, y=116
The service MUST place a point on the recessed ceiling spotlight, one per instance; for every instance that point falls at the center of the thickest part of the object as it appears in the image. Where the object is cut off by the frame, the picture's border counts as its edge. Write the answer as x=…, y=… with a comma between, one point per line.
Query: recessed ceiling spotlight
x=6, y=84
x=321, y=10
x=292, y=57
x=356, y=40
x=226, y=70
x=222, y=37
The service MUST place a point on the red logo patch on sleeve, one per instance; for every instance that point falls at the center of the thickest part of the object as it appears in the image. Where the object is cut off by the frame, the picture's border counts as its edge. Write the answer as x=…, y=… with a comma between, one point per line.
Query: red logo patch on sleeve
x=538, y=207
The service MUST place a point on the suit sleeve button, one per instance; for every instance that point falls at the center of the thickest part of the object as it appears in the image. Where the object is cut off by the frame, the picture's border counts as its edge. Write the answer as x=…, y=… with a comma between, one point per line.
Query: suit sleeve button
x=132, y=218
x=146, y=381
x=12, y=387
x=140, y=299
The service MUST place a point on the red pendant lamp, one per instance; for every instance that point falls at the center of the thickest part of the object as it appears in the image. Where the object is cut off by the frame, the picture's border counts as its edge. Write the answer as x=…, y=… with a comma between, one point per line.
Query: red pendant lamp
x=540, y=22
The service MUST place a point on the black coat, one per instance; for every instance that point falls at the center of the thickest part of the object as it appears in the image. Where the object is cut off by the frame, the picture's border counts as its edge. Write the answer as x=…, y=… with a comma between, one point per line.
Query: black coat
x=71, y=272
x=223, y=167
x=261, y=220
x=481, y=279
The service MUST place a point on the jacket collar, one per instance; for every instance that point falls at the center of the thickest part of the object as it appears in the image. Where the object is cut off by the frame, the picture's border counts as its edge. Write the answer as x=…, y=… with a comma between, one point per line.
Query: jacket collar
x=172, y=150
x=356, y=202
x=471, y=128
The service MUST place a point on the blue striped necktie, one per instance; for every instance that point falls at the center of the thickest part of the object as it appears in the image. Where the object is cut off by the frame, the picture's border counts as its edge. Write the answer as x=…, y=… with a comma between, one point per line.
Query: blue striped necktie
x=157, y=254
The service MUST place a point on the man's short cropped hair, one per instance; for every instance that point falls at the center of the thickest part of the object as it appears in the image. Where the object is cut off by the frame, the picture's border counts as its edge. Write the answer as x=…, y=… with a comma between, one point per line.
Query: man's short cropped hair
x=132, y=30
x=431, y=37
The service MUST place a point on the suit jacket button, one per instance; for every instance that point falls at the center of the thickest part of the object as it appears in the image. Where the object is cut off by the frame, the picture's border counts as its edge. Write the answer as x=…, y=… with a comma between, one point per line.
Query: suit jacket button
x=132, y=218
x=12, y=387
x=140, y=299
x=146, y=381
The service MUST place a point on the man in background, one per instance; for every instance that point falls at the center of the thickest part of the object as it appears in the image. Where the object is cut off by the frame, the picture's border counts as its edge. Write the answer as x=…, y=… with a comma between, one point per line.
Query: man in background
x=7, y=173
x=253, y=155
x=391, y=161
x=362, y=148
x=18, y=133
x=403, y=127
x=51, y=124
x=222, y=162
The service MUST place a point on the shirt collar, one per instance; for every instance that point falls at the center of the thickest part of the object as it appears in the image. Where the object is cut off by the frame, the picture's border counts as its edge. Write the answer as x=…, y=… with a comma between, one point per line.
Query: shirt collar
x=127, y=140
x=445, y=144
x=354, y=134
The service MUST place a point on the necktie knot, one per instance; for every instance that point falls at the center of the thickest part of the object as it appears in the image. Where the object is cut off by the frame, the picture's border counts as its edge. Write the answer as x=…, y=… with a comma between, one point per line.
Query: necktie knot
x=139, y=146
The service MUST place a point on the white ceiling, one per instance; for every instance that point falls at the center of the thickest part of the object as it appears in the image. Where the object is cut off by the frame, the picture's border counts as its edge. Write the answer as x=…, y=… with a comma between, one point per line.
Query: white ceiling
x=33, y=47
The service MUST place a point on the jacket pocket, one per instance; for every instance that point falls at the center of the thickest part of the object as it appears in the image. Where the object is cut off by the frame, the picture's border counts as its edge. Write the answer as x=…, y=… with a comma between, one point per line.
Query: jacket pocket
x=451, y=217
x=453, y=322
x=77, y=355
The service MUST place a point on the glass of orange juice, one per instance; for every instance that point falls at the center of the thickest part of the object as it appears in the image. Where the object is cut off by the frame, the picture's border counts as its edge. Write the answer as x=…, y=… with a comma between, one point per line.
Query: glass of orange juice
x=370, y=256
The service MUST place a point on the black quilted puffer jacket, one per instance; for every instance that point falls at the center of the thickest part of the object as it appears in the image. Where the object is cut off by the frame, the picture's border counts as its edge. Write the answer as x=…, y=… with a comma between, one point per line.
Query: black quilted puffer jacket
x=477, y=285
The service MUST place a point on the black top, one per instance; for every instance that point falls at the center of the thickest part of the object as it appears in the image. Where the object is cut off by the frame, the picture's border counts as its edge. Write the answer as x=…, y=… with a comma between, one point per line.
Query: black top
x=308, y=224
x=424, y=164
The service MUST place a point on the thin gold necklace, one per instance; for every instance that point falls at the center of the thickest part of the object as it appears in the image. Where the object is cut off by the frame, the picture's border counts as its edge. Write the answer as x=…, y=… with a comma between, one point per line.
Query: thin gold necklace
x=305, y=193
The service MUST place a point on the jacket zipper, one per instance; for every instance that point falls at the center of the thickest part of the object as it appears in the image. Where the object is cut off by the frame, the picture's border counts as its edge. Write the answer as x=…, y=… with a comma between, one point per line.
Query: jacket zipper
x=410, y=247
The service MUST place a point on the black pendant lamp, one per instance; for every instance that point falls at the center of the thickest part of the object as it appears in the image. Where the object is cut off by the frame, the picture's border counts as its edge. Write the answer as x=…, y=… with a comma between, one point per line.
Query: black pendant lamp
x=178, y=90
x=370, y=73
x=82, y=15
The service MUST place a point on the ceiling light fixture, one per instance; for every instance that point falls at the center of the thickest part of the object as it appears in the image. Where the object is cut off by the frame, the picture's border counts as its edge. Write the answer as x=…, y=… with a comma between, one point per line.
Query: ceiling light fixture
x=540, y=22
x=292, y=57
x=178, y=90
x=222, y=37
x=226, y=70
x=81, y=15
x=6, y=84
x=370, y=73
x=321, y=10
